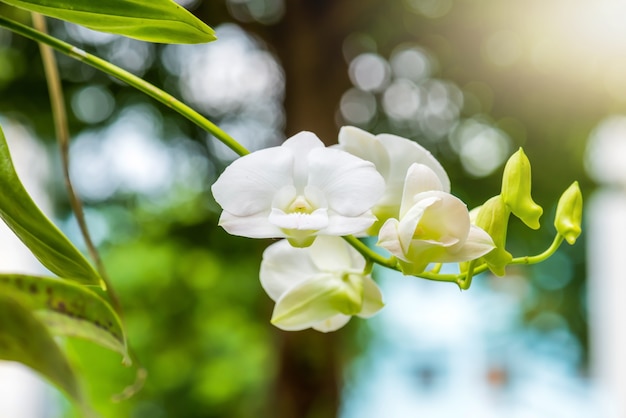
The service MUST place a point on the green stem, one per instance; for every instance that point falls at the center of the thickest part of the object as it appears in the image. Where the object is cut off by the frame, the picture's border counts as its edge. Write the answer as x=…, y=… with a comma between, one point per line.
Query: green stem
x=434, y=275
x=460, y=278
x=558, y=240
x=371, y=255
x=126, y=77
x=63, y=138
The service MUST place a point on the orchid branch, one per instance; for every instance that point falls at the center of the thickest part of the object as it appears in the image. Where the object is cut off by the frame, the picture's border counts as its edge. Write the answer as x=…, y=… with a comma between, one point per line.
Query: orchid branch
x=460, y=279
x=127, y=77
x=370, y=255
x=63, y=138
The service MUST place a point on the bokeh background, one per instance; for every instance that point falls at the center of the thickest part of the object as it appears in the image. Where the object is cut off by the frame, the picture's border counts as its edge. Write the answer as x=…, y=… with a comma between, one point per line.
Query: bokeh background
x=471, y=80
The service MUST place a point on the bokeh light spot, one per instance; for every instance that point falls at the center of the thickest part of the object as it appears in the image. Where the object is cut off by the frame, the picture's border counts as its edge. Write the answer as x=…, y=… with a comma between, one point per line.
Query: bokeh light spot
x=402, y=100
x=481, y=147
x=411, y=63
x=357, y=107
x=606, y=151
x=369, y=72
x=93, y=104
x=266, y=12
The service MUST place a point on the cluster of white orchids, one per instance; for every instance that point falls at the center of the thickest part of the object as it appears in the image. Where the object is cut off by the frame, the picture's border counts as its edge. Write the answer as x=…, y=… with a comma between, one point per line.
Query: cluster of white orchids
x=320, y=199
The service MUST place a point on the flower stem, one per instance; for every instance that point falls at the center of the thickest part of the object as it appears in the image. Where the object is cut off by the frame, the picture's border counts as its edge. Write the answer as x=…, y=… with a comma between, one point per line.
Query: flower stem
x=63, y=138
x=126, y=77
x=558, y=240
x=371, y=255
x=463, y=284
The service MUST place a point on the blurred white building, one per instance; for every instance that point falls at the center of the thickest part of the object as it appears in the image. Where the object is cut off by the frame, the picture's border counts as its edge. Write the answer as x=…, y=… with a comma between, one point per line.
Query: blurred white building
x=606, y=235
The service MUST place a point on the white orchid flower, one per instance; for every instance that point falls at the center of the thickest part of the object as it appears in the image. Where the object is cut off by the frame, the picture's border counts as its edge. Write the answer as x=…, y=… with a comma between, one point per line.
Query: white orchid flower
x=434, y=226
x=318, y=287
x=392, y=155
x=298, y=190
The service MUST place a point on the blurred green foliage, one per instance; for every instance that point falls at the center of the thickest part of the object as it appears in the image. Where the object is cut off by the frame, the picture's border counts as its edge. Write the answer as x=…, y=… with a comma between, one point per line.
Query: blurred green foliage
x=197, y=316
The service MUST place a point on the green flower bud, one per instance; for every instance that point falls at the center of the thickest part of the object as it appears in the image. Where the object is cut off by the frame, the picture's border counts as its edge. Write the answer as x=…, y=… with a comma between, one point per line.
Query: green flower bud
x=516, y=190
x=493, y=217
x=569, y=213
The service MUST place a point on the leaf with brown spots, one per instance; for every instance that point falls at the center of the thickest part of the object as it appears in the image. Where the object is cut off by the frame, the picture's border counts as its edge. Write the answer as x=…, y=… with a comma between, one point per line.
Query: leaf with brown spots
x=68, y=309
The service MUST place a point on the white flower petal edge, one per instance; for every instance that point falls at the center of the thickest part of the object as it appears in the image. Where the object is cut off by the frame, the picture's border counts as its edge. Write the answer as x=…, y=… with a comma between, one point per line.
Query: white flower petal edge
x=434, y=226
x=248, y=185
x=332, y=324
x=317, y=287
x=298, y=191
x=392, y=155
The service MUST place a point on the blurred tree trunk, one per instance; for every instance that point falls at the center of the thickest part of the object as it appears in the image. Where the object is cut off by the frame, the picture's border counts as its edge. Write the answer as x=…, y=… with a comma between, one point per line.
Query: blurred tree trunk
x=308, y=43
x=308, y=380
x=309, y=46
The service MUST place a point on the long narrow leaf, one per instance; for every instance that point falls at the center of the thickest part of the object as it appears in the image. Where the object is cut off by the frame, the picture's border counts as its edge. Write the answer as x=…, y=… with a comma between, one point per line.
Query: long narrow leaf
x=150, y=20
x=26, y=340
x=41, y=236
x=68, y=309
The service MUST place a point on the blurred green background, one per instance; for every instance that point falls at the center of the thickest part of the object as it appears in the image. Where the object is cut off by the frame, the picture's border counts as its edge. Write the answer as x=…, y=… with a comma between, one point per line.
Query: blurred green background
x=471, y=80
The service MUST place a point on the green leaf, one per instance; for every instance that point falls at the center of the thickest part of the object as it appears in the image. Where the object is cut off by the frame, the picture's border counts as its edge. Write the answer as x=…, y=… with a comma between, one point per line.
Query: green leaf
x=44, y=240
x=68, y=309
x=26, y=340
x=148, y=20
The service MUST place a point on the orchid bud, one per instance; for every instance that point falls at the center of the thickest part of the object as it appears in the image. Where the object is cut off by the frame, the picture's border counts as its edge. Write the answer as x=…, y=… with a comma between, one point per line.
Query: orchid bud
x=493, y=217
x=321, y=286
x=569, y=212
x=516, y=190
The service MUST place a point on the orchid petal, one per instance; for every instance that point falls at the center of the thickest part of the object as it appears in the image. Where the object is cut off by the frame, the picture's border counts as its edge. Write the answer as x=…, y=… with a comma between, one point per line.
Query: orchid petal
x=249, y=184
x=351, y=185
x=431, y=251
x=301, y=145
x=332, y=324
x=419, y=179
x=366, y=146
x=372, y=298
x=252, y=226
x=347, y=225
x=284, y=196
x=389, y=239
x=404, y=152
x=284, y=267
x=312, y=301
x=317, y=287
x=299, y=221
x=478, y=243
x=315, y=197
x=410, y=221
x=447, y=217
x=332, y=254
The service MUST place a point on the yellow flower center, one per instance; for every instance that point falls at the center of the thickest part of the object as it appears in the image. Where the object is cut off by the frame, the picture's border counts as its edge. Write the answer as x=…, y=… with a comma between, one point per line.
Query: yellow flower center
x=300, y=205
